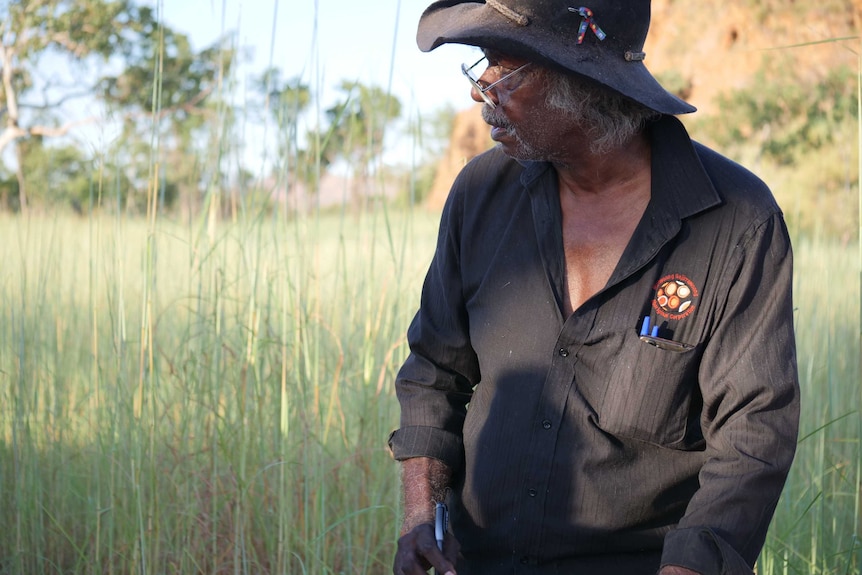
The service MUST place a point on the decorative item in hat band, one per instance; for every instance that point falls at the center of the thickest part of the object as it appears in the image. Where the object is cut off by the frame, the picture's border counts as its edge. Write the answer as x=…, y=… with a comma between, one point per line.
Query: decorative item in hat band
x=515, y=17
x=588, y=21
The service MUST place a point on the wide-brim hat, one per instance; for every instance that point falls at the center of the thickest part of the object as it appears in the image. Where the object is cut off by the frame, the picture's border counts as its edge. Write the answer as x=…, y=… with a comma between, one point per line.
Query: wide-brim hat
x=602, y=40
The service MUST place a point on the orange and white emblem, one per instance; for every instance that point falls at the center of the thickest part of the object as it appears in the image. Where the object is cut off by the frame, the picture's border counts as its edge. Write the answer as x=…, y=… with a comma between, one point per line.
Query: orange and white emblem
x=675, y=297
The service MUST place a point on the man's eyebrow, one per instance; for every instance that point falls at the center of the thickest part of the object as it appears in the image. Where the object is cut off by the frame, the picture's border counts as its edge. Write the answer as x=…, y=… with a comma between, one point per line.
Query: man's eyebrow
x=496, y=57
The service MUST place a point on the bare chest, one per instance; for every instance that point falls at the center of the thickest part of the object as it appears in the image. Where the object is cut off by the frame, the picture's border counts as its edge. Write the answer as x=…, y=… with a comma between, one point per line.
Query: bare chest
x=592, y=248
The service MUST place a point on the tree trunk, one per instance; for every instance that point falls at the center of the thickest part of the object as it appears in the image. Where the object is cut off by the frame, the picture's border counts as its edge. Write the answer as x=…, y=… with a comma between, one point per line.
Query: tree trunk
x=19, y=173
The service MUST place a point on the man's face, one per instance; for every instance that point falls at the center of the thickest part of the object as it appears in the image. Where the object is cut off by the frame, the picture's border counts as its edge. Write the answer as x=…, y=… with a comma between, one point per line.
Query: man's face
x=522, y=123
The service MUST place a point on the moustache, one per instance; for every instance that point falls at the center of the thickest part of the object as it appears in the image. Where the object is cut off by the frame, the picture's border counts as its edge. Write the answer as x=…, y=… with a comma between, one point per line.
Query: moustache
x=494, y=118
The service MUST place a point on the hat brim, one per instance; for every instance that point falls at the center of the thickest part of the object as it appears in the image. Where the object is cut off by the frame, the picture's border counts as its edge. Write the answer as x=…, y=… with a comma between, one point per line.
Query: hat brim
x=477, y=24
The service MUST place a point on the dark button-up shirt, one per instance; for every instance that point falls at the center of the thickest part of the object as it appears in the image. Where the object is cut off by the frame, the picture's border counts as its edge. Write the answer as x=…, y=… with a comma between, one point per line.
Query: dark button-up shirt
x=585, y=448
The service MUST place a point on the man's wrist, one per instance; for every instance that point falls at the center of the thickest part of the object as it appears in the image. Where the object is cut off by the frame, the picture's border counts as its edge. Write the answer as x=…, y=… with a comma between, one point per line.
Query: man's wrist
x=424, y=481
x=419, y=517
x=417, y=513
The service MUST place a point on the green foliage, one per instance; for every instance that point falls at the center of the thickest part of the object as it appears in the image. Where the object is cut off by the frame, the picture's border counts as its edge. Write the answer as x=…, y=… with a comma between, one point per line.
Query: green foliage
x=178, y=399
x=283, y=100
x=78, y=27
x=787, y=117
x=172, y=102
x=56, y=175
x=283, y=104
x=357, y=123
x=163, y=84
x=75, y=29
x=801, y=137
x=64, y=177
x=198, y=402
x=817, y=529
x=166, y=76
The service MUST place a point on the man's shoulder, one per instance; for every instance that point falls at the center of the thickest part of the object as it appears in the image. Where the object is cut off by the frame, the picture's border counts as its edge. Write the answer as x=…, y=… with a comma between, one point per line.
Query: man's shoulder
x=738, y=186
x=726, y=170
x=487, y=173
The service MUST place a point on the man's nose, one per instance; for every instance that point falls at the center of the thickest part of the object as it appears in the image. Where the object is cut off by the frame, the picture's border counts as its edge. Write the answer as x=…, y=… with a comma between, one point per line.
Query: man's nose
x=486, y=79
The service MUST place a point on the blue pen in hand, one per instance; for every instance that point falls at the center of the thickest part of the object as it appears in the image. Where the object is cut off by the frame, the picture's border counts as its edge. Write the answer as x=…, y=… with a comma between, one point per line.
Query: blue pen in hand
x=441, y=521
x=441, y=524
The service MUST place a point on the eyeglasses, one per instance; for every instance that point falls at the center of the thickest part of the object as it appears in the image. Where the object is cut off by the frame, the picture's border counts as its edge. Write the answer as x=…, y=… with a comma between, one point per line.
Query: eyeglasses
x=484, y=91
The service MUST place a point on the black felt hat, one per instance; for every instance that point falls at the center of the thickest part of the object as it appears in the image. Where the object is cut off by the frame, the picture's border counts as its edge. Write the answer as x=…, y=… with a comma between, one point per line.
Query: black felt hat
x=602, y=40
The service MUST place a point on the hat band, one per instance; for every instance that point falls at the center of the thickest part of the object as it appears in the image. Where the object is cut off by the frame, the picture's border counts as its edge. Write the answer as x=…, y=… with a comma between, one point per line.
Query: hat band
x=518, y=19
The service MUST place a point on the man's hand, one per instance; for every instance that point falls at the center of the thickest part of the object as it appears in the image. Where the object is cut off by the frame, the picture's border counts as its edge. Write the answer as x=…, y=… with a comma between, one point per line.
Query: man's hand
x=675, y=570
x=418, y=552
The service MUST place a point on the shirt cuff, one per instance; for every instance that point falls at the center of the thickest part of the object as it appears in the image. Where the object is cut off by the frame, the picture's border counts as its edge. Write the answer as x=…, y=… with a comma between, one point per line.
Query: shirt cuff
x=421, y=441
x=701, y=549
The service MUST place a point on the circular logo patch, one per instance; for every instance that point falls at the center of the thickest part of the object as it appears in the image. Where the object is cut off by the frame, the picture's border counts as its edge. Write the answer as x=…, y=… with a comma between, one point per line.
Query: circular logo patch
x=675, y=297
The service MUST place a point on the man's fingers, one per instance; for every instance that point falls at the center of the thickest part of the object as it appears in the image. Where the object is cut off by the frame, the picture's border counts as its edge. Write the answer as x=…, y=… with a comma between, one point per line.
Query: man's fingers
x=418, y=551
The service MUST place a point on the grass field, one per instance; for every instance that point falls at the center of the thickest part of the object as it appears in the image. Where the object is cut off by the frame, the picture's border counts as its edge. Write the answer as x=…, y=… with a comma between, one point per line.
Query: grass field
x=214, y=398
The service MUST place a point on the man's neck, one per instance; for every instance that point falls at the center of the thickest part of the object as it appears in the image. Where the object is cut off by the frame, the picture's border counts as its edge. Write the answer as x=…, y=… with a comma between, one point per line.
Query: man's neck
x=585, y=174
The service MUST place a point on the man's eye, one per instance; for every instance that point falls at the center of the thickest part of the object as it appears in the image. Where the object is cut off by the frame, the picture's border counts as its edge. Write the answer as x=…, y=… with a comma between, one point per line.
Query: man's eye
x=501, y=66
x=504, y=66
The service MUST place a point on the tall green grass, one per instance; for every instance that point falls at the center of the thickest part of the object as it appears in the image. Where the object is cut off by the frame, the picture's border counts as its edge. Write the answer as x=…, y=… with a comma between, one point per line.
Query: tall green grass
x=182, y=399
x=216, y=399
x=818, y=524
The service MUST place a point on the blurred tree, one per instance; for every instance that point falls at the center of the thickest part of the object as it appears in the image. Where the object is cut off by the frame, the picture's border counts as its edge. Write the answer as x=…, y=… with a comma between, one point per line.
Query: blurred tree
x=283, y=103
x=163, y=90
x=357, y=124
x=77, y=30
x=804, y=135
x=787, y=117
x=169, y=92
x=58, y=174
x=64, y=176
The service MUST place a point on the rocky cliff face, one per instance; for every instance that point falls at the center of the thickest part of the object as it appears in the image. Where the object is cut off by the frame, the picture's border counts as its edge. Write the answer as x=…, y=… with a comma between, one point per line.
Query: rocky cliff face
x=702, y=49
x=470, y=136
x=719, y=46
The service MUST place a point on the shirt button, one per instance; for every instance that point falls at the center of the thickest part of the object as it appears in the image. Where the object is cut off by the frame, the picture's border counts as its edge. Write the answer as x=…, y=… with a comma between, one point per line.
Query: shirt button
x=531, y=492
x=546, y=424
x=563, y=352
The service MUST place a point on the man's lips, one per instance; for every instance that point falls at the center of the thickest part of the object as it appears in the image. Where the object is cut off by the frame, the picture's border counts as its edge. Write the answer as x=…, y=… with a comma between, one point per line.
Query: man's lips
x=497, y=127
x=497, y=132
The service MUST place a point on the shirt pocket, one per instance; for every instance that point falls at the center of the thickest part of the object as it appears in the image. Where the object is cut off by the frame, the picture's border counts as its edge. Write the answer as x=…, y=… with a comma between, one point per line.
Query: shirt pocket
x=652, y=395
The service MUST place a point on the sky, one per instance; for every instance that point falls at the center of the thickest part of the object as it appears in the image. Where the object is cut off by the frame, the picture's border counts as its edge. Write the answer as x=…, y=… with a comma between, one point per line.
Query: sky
x=323, y=42
x=326, y=41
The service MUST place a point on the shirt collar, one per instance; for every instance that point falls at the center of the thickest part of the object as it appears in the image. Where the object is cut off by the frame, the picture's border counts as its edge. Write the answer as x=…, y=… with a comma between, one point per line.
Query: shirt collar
x=681, y=188
x=680, y=185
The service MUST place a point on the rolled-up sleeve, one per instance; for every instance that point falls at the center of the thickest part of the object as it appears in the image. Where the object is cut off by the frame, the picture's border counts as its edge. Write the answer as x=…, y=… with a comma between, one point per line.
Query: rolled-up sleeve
x=749, y=383
x=435, y=383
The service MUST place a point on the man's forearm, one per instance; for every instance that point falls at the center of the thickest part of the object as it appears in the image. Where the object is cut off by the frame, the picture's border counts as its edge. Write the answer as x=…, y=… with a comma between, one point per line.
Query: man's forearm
x=424, y=482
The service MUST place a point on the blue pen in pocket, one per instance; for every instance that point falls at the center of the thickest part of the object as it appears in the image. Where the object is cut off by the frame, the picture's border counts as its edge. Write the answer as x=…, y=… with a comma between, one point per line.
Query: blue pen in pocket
x=651, y=337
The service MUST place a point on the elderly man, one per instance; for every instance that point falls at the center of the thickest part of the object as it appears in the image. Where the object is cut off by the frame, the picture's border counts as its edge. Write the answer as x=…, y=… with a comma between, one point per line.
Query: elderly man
x=613, y=301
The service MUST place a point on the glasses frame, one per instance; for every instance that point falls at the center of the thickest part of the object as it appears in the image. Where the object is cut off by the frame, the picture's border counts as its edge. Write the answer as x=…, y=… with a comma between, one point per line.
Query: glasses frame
x=483, y=91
